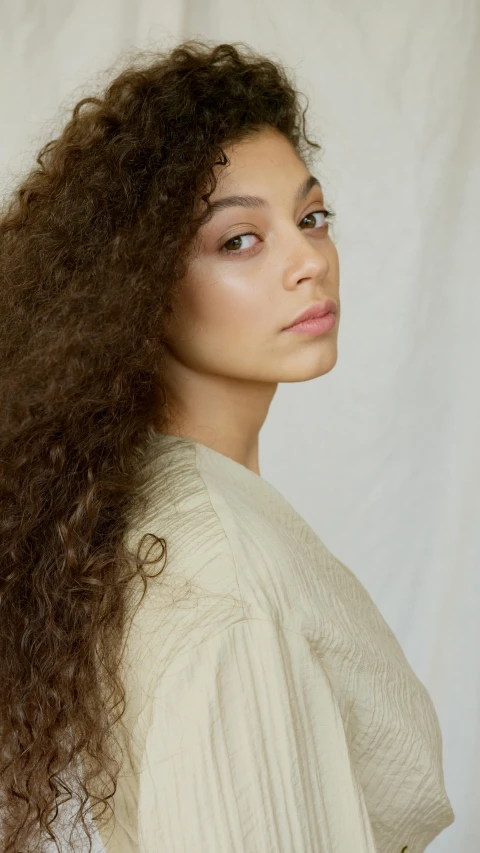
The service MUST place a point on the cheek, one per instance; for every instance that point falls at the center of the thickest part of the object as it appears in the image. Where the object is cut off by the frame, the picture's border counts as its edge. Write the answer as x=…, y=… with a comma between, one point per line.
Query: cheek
x=227, y=306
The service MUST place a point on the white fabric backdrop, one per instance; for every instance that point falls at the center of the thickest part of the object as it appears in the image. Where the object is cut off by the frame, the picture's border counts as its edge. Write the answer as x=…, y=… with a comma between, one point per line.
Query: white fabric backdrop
x=381, y=455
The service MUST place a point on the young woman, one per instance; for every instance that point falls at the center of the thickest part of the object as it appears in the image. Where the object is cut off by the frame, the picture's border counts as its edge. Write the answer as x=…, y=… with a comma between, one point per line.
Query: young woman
x=248, y=696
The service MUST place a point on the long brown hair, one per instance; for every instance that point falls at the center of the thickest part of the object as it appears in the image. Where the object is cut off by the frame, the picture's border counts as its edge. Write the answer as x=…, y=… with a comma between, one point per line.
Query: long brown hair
x=93, y=246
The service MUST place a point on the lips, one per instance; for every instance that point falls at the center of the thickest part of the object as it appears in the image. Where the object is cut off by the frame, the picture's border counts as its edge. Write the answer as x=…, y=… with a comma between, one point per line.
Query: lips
x=318, y=309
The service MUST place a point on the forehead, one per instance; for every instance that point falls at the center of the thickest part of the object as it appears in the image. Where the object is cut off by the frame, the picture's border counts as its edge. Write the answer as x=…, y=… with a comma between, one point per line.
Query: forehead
x=259, y=168
x=266, y=149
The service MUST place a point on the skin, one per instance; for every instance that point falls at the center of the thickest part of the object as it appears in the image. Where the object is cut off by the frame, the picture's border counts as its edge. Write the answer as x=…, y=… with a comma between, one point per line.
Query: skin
x=226, y=351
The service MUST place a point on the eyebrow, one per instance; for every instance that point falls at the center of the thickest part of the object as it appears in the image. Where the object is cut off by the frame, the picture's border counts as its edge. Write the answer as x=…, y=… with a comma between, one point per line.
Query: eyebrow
x=257, y=201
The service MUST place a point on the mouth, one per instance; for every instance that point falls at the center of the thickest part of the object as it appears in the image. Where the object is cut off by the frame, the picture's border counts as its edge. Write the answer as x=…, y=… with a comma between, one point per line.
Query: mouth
x=315, y=325
x=314, y=312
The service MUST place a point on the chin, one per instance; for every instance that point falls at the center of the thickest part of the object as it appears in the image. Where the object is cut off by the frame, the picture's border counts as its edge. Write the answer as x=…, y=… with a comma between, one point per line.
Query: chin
x=310, y=368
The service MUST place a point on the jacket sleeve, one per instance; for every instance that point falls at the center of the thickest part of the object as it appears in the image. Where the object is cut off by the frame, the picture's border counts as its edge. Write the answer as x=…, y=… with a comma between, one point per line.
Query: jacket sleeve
x=246, y=752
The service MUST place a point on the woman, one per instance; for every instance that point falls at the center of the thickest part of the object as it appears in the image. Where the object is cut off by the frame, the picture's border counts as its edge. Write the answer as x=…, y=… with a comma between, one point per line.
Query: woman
x=252, y=698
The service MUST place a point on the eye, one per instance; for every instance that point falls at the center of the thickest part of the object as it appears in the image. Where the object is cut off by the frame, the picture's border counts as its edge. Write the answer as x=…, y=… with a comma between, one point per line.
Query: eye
x=327, y=214
x=233, y=239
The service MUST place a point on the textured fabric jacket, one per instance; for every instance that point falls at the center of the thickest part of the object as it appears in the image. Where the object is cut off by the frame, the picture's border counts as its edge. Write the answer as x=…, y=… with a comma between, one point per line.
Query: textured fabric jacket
x=270, y=708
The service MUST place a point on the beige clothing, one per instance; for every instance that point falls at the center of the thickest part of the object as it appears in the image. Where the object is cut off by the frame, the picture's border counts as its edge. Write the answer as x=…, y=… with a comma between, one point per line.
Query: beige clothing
x=270, y=708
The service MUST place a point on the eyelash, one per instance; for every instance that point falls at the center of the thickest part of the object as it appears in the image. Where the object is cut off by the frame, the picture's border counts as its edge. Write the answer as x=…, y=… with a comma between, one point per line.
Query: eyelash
x=328, y=215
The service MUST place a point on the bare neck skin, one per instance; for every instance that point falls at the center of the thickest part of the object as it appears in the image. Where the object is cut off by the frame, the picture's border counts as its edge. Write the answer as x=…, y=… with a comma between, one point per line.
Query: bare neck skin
x=223, y=413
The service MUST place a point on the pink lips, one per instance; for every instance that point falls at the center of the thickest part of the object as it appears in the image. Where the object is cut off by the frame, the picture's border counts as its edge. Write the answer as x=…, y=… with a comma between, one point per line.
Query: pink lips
x=314, y=326
x=318, y=309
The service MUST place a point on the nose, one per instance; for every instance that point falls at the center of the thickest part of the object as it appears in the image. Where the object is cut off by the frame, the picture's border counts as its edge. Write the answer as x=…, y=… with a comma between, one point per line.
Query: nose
x=304, y=259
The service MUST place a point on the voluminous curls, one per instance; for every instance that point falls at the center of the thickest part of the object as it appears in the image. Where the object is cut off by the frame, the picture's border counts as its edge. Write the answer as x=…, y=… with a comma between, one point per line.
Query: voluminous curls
x=93, y=247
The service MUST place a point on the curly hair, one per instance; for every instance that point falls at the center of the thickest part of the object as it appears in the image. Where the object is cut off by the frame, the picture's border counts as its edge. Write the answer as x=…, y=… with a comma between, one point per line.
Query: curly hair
x=93, y=247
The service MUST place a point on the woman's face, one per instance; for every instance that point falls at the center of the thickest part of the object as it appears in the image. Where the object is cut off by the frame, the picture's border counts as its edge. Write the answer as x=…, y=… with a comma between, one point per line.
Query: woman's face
x=232, y=306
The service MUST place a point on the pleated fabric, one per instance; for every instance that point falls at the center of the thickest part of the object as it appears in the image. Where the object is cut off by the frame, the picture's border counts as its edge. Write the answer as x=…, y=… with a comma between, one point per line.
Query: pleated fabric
x=269, y=706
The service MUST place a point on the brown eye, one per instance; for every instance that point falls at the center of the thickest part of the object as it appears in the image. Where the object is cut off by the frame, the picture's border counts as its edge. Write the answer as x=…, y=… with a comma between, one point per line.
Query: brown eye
x=326, y=213
x=236, y=251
